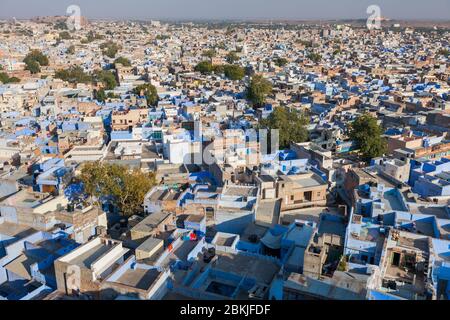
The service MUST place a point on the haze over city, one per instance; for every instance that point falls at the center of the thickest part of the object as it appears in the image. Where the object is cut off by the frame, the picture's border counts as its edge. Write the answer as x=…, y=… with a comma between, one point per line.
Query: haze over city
x=230, y=9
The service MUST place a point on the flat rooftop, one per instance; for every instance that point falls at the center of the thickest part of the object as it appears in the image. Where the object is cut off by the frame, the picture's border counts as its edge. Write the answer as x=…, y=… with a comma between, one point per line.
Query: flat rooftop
x=225, y=241
x=151, y=222
x=268, y=211
x=308, y=214
x=179, y=253
x=15, y=230
x=263, y=271
x=149, y=244
x=333, y=226
x=437, y=211
x=195, y=218
x=25, y=199
x=410, y=240
x=305, y=180
x=240, y=191
x=87, y=258
x=164, y=195
x=139, y=278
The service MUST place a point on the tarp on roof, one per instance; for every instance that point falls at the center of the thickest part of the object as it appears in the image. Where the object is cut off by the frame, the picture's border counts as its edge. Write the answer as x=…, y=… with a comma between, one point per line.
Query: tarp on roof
x=271, y=241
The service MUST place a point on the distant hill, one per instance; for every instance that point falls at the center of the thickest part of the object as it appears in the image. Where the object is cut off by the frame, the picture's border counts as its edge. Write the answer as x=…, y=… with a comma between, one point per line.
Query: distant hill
x=57, y=19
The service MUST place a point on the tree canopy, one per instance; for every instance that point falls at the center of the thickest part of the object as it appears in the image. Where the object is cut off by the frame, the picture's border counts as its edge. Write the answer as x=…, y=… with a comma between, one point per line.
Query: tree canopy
x=100, y=95
x=291, y=126
x=74, y=74
x=35, y=60
x=65, y=35
x=281, y=62
x=110, y=49
x=315, y=57
x=122, y=187
x=258, y=90
x=5, y=79
x=149, y=91
x=123, y=61
x=107, y=78
x=91, y=37
x=368, y=134
x=232, y=57
x=444, y=52
x=162, y=37
x=210, y=53
x=71, y=50
x=204, y=67
x=233, y=72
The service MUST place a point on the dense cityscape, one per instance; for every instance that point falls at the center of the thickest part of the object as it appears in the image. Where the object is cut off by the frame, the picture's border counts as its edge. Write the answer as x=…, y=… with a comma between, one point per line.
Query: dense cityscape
x=234, y=160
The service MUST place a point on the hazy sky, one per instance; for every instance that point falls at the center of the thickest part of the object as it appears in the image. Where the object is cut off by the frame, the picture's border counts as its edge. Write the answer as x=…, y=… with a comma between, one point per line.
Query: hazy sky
x=229, y=9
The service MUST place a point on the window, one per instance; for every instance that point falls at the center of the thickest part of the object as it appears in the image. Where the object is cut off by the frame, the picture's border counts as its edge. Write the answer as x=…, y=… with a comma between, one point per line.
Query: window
x=292, y=198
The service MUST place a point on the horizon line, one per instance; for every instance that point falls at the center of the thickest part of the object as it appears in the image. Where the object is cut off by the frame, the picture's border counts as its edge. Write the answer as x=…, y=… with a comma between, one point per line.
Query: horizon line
x=262, y=19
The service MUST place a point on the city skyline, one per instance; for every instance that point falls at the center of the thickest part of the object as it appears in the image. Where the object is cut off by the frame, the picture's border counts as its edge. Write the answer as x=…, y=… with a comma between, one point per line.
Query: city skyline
x=226, y=10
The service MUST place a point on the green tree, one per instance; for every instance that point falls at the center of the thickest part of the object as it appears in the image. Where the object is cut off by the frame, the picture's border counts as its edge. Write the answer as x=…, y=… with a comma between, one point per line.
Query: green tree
x=218, y=68
x=110, y=49
x=37, y=56
x=234, y=72
x=5, y=79
x=258, y=90
x=210, y=53
x=100, y=95
x=71, y=50
x=314, y=57
x=444, y=52
x=281, y=62
x=33, y=66
x=74, y=74
x=65, y=35
x=61, y=25
x=91, y=37
x=204, y=67
x=291, y=126
x=35, y=60
x=107, y=78
x=123, y=61
x=14, y=80
x=125, y=188
x=149, y=91
x=306, y=43
x=232, y=57
x=111, y=95
x=368, y=134
x=162, y=37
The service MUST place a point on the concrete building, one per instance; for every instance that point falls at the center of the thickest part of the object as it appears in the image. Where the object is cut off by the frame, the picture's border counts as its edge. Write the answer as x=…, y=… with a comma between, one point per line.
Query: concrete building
x=82, y=271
